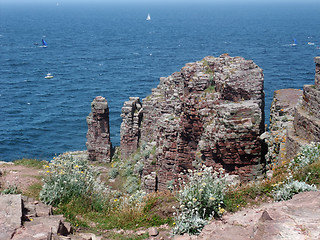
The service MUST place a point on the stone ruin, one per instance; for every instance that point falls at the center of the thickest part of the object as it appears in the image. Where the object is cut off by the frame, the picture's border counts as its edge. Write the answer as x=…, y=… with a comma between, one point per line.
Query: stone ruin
x=306, y=124
x=98, y=136
x=211, y=113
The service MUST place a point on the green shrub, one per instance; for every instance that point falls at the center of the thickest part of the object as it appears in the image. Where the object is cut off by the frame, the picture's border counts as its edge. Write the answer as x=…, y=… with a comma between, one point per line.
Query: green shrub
x=170, y=185
x=200, y=198
x=128, y=172
x=113, y=173
x=307, y=155
x=189, y=221
x=34, y=163
x=67, y=177
x=309, y=174
x=136, y=157
x=132, y=184
x=287, y=190
x=11, y=189
x=139, y=168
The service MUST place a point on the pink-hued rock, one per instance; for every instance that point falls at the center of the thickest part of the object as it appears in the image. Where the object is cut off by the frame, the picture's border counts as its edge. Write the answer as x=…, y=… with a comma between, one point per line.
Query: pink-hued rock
x=212, y=113
x=295, y=219
x=98, y=136
x=281, y=115
x=306, y=124
x=10, y=215
x=130, y=126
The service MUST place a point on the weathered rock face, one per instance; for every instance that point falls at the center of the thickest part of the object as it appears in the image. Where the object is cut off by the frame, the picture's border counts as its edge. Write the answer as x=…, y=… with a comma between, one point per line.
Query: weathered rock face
x=281, y=115
x=130, y=126
x=23, y=218
x=98, y=135
x=296, y=219
x=306, y=124
x=10, y=215
x=212, y=113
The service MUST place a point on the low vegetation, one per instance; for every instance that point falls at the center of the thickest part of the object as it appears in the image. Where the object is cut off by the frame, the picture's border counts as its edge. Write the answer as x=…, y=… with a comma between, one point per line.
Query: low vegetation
x=33, y=163
x=201, y=198
x=11, y=189
x=74, y=188
x=67, y=178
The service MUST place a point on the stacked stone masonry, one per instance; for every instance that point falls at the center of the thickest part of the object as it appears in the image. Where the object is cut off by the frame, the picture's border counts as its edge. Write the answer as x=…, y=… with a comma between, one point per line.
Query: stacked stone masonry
x=306, y=124
x=98, y=136
x=212, y=113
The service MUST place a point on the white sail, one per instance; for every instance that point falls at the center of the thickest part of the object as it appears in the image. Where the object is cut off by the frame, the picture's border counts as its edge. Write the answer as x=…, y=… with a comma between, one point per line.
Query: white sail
x=148, y=17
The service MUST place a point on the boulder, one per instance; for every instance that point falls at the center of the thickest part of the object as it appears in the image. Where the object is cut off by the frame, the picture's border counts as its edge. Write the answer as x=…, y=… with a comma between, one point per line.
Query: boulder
x=153, y=231
x=10, y=215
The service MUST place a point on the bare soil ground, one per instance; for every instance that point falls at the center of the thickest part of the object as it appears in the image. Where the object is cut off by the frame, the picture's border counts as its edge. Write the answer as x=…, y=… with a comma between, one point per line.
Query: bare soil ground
x=21, y=176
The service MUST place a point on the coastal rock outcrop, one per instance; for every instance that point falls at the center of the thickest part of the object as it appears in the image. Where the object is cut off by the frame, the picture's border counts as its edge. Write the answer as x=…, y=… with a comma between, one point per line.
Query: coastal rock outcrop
x=130, y=126
x=98, y=136
x=306, y=124
x=281, y=115
x=212, y=113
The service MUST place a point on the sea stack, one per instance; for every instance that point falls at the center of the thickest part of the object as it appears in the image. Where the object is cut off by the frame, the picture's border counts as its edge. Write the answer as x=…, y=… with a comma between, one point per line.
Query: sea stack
x=98, y=136
x=130, y=126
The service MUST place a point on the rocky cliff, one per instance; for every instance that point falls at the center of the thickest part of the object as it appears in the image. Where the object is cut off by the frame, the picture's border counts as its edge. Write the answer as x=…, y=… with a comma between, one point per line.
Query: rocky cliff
x=211, y=112
x=306, y=124
x=281, y=116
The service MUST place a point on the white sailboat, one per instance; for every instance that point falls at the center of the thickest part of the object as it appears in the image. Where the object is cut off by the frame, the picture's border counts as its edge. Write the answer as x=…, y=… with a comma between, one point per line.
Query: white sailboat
x=148, y=17
x=49, y=76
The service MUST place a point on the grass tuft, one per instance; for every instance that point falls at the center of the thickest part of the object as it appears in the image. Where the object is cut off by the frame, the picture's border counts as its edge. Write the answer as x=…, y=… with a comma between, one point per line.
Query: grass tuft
x=33, y=163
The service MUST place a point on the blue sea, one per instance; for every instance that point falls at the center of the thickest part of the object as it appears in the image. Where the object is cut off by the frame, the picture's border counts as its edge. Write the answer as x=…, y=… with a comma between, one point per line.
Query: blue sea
x=111, y=50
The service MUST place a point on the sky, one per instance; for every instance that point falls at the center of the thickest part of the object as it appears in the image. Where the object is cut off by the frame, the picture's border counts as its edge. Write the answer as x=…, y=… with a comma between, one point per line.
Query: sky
x=159, y=1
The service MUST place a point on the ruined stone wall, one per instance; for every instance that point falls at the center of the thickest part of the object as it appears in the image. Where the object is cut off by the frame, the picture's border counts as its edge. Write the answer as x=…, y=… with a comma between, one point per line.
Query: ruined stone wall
x=98, y=136
x=211, y=112
x=306, y=124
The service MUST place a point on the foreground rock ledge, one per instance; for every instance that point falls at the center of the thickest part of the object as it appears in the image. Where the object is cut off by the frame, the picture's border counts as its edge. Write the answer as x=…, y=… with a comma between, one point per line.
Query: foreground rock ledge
x=296, y=219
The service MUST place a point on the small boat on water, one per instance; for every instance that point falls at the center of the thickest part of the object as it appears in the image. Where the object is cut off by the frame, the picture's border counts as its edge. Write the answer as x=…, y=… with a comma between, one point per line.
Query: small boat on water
x=48, y=76
x=311, y=43
x=294, y=42
x=44, y=43
x=148, y=17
